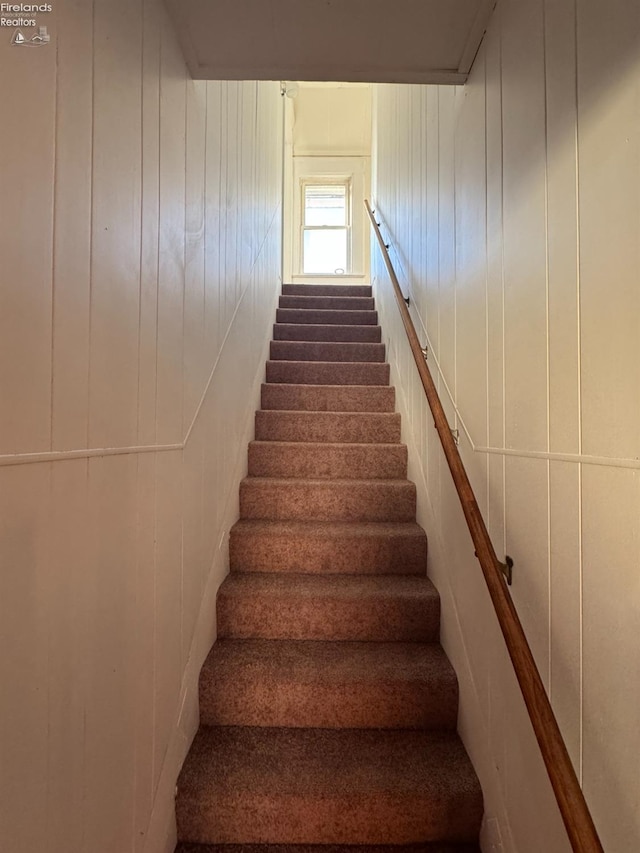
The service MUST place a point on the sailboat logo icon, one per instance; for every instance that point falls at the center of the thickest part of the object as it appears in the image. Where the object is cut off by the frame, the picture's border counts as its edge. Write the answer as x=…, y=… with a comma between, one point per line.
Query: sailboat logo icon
x=42, y=37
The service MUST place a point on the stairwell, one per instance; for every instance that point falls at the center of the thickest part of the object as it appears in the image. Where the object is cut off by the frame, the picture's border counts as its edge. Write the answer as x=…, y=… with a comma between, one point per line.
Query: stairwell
x=327, y=706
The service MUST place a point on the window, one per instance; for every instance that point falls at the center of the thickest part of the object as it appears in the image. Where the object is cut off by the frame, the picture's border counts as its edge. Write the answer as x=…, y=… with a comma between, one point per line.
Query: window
x=326, y=227
x=325, y=239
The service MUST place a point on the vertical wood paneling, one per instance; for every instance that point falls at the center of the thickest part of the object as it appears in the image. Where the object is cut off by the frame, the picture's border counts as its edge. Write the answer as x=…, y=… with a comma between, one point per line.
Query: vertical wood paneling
x=110, y=710
x=150, y=215
x=72, y=215
x=523, y=116
x=172, y=238
x=66, y=593
x=471, y=250
x=446, y=236
x=213, y=220
x=432, y=278
x=562, y=227
x=609, y=163
x=526, y=500
x=565, y=686
x=230, y=200
x=27, y=106
x=146, y=661
x=611, y=541
x=167, y=601
x=495, y=281
x=24, y=533
x=115, y=260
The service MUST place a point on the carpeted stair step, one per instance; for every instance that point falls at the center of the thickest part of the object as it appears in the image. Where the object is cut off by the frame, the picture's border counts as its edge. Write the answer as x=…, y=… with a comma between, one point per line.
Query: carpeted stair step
x=333, y=351
x=328, y=303
x=363, y=608
x=327, y=317
x=327, y=290
x=328, y=685
x=329, y=398
x=356, y=427
x=327, y=500
x=316, y=332
x=327, y=373
x=436, y=847
x=322, y=460
x=328, y=547
x=248, y=785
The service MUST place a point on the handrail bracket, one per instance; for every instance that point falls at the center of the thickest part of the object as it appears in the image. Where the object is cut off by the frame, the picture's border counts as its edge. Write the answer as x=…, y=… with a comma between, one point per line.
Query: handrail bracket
x=507, y=569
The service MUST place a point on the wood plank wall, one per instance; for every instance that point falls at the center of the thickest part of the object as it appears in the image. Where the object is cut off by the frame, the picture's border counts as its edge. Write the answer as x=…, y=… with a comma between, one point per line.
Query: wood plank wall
x=140, y=258
x=514, y=211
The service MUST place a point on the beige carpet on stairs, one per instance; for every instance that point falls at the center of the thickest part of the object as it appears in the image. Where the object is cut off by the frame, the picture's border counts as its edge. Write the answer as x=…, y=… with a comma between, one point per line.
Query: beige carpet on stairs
x=327, y=706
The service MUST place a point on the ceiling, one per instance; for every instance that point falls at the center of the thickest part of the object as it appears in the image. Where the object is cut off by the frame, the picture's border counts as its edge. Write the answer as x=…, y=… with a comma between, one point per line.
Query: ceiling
x=378, y=41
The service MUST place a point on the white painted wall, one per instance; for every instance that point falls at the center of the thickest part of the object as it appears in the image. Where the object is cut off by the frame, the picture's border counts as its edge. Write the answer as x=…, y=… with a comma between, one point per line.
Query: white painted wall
x=514, y=211
x=140, y=242
x=332, y=120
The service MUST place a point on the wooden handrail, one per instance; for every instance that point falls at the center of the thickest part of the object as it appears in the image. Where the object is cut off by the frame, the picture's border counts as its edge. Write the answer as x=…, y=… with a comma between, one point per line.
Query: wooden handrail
x=573, y=807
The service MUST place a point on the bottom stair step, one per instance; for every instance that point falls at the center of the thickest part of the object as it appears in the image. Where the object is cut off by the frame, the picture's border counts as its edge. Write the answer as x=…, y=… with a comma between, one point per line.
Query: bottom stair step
x=327, y=848
x=249, y=785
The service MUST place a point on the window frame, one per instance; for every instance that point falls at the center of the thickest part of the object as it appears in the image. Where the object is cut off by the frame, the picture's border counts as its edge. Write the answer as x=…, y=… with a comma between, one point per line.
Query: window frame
x=324, y=170
x=345, y=181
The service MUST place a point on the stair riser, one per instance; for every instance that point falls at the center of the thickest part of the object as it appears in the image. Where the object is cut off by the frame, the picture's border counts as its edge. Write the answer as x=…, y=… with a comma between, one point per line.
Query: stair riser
x=326, y=373
x=315, y=332
x=331, y=501
x=326, y=290
x=328, y=398
x=327, y=318
x=348, y=462
x=236, y=699
x=314, y=554
x=311, y=351
x=362, y=428
x=288, y=818
x=333, y=619
x=328, y=303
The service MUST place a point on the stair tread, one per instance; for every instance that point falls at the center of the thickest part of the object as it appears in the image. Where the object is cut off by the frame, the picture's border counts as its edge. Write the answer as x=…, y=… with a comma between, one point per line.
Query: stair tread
x=321, y=662
x=328, y=684
x=321, y=333
x=310, y=445
x=342, y=483
x=327, y=459
x=337, y=373
x=435, y=847
x=283, y=396
x=359, y=587
x=247, y=783
x=294, y=425
x=335, y=302
x=327, y=289
x=327, y=317
x=331, y=529
x=333, y=548
x=335, y=351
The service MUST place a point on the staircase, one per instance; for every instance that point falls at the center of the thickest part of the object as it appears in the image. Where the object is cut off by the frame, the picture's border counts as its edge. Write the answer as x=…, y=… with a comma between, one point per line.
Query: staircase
x=328, y=708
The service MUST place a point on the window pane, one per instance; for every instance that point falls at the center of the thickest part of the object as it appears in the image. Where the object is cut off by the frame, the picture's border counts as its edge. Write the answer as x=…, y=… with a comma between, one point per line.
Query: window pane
x=325, y=205
x=324, y=252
